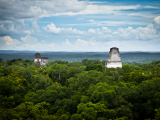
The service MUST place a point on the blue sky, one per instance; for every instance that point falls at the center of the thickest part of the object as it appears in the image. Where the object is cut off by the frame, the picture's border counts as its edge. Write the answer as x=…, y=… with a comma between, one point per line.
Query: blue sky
x=80, y=25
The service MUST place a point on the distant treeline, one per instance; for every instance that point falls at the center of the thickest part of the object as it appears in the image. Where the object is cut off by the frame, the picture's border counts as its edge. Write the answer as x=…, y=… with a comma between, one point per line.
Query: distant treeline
x=140, y=57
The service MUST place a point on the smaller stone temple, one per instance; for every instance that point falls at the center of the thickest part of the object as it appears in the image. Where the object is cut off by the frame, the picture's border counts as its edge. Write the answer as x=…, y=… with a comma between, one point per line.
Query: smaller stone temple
x=114, y=59
x=39, y=59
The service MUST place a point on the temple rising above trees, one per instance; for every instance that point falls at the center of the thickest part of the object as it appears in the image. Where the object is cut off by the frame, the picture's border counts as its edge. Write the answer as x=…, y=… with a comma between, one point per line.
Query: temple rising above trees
x=39, y=59
x=114, y=59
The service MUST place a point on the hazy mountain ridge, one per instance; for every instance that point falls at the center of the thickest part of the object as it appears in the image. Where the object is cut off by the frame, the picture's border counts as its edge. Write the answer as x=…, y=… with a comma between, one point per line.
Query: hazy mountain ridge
x=79, y=56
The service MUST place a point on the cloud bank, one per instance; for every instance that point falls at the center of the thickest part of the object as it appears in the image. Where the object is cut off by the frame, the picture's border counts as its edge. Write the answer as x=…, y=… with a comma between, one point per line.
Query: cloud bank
x=78, y=25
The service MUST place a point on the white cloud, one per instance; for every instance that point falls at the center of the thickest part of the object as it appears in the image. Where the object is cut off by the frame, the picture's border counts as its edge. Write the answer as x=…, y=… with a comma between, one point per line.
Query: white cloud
x=157, y=20
x=148, y=6
x=93, y=45
x=29, y=40
x=109, y=23
x=81, y=43
x=26, y=43
x=8, y=43
x=106, y=30
x=101, y=9
x=17, y=27
x=38, y=47
x=148, y=33
x=58, y=6
x=140, y=33
x=28, y=31
x=145, y=14
x=80, y=18
x=35, y=9
x=7, y=27
x=16, y=11
x=66, y=43
x=99, y=31
x=93, y=42
x=51, y=28
x=106, y=9
x=95, y=31
x=156, y=23
x=35, y=26
x=91, y=30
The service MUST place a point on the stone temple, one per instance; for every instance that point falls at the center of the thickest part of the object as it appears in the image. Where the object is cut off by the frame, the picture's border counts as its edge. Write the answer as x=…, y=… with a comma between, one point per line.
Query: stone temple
x=114, y=59
x=39, y=59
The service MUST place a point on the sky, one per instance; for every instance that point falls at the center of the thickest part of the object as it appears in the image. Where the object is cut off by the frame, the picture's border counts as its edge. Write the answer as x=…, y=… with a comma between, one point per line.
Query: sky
x=80, y=25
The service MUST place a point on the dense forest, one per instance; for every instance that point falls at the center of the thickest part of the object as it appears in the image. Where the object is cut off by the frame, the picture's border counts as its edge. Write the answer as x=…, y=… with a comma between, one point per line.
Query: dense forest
x=83, y=90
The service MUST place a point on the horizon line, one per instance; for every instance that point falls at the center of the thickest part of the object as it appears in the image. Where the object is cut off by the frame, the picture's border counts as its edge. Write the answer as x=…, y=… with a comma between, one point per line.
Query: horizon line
x=74, y=51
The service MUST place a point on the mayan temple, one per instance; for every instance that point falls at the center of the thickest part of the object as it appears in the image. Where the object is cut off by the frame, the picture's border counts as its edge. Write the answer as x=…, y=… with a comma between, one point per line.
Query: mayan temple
x=39, y=59
x=114, y=59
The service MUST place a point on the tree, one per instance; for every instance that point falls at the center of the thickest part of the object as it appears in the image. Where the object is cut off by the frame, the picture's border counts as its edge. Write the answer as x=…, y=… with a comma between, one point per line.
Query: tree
x=157, y=115
x=90, y=111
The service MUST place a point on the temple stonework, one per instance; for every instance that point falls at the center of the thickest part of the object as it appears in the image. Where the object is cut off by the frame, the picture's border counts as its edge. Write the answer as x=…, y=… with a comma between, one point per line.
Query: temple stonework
x=114, y=59
x=39, y=59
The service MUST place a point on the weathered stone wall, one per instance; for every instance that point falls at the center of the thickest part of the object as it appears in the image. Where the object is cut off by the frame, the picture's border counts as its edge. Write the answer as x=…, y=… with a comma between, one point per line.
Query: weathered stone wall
x=114, y=59
x=44, y=61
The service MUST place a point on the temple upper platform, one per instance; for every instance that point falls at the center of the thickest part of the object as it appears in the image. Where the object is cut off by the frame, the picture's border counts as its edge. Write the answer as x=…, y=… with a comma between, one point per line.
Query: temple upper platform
x=114, y=59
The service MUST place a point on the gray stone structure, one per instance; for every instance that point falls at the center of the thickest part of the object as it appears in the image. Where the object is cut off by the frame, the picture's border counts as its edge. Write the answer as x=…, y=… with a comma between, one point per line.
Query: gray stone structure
x=39, y=59
x=114, y=59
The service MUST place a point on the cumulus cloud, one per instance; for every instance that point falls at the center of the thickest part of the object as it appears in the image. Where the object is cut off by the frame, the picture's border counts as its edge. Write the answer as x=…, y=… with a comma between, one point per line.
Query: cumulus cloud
x=8, y=43
x=29, y=40
x=106, y=9
x=39, y=47
x=36, y=9
x=81, y=43
x=7, y=27
x=94, y=45
x=148, y=33
x=17, y=27
x=156, y=23
x=58, y=6
x=99, y=31
x=157, y=20
x=67, y=43
x=101, y=9
x=51, y=28
x=91, y=31
x=92, y=22
x=106, y=30
x=78, y=45
x=26, y=43
x=95, y=31
x=18, y=9
x=35, y=27
x=140, y=33
x=13, y=11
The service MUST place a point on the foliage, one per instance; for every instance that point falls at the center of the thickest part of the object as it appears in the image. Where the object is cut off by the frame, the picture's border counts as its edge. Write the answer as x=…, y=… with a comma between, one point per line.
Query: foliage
x=79, y=91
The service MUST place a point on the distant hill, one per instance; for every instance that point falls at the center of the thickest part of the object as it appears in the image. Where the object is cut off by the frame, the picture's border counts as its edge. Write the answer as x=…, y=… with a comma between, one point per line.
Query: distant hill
x=15, y=51
x=137, y=56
